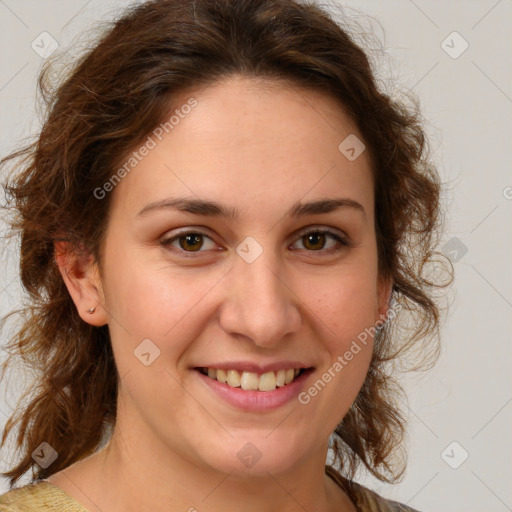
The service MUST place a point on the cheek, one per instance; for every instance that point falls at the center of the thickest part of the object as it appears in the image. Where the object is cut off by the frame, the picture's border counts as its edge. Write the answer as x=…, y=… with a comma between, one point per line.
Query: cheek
x=345, y=312
x=345, y=306
x=136, y=293
x=344, y=315
x=156, y=303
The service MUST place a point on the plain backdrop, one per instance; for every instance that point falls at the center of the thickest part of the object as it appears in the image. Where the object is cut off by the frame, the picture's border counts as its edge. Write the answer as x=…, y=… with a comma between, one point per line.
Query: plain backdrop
x=456, y=56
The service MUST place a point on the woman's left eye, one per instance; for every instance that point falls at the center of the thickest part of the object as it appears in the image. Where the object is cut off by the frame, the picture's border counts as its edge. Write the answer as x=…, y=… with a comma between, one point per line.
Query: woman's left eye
x=312, y=241
x=317, y=238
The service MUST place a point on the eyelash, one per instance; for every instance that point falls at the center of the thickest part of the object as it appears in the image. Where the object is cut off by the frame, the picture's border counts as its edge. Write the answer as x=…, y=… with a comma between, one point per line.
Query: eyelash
x=190, y=254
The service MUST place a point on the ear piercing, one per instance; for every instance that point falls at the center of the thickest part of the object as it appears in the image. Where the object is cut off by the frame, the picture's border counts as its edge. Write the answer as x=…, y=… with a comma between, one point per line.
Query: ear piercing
x=91, y=310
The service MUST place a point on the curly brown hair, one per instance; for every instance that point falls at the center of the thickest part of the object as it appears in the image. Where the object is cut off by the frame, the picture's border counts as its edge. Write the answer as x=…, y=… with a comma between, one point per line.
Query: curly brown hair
x=117, y=93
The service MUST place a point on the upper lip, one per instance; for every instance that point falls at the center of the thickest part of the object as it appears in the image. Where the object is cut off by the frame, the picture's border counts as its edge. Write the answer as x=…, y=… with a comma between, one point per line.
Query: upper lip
x=250, y=366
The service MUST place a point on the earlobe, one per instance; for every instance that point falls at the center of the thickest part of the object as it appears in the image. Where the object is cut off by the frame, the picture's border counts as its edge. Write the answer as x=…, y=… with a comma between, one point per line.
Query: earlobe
x=82, y=279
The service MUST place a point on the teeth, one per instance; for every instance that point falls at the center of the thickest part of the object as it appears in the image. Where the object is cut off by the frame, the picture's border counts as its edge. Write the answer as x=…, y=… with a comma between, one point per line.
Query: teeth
x=252, y=381
x=267, y=382
x=234, y=379
x=249, y=381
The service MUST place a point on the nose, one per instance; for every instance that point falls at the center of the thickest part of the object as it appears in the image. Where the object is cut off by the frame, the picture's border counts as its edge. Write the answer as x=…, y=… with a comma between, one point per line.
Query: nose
x=260, y=304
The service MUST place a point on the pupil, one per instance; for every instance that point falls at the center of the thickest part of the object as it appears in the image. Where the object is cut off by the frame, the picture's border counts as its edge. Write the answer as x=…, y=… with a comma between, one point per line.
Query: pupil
x=191, y=240
x=319, y=237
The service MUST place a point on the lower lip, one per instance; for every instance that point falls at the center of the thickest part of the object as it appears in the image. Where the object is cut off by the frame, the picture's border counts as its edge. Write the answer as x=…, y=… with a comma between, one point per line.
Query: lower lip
x=256, y=400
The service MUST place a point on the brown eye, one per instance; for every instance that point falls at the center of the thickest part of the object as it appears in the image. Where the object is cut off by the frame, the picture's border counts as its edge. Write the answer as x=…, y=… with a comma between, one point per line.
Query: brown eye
x=191, y=241
x=314, y=241
x=319, y=241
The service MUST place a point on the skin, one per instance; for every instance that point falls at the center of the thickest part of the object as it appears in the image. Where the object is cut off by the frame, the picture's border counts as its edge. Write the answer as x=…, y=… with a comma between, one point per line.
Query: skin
x=258, y=147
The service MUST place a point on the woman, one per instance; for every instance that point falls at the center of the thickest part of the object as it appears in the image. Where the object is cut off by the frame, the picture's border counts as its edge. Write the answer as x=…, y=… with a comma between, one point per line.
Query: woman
x=223, y=223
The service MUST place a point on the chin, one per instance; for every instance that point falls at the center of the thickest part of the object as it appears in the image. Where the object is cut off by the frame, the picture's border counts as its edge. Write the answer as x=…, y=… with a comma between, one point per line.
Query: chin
x=254, y=456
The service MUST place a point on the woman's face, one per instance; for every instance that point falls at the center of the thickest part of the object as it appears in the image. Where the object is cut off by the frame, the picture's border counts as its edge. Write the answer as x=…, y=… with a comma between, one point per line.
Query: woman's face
x=257, y=290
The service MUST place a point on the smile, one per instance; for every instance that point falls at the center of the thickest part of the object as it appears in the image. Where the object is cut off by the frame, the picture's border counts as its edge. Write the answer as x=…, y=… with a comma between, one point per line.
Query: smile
x=251, y=381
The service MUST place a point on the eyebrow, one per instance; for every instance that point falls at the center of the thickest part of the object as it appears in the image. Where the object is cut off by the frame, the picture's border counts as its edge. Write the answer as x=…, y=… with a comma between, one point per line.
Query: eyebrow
x=214, y=209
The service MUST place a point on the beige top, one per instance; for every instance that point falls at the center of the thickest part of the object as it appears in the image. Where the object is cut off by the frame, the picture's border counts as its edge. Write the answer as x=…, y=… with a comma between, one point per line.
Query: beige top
x=43, y=496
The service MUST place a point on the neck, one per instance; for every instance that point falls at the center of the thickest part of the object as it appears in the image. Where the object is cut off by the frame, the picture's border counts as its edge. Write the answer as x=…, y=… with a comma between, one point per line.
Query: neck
x=180, y=485
x=126, y=476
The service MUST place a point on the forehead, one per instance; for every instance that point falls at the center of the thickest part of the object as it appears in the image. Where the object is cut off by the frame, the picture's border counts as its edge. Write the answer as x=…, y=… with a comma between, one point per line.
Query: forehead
x=248, y=140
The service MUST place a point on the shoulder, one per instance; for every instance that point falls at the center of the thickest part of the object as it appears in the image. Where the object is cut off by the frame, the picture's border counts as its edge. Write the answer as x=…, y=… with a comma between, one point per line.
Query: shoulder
x=365, y=499
x=39, y=496
x=369, y=501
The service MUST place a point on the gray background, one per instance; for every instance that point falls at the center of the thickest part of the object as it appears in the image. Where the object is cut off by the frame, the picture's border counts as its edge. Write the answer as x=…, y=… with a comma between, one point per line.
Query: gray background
x=467, y=102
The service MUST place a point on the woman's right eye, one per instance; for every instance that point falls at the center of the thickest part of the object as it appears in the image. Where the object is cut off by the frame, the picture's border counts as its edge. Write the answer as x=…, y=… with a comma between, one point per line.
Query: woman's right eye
x=191, y=241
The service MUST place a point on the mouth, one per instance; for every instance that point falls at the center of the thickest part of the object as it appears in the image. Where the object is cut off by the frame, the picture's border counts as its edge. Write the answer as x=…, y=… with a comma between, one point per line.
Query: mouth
x=252, y=381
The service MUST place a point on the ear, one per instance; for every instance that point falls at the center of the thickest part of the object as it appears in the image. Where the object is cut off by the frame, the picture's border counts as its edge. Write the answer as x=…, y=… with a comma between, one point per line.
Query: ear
x=82, y=278
x=384, y=289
